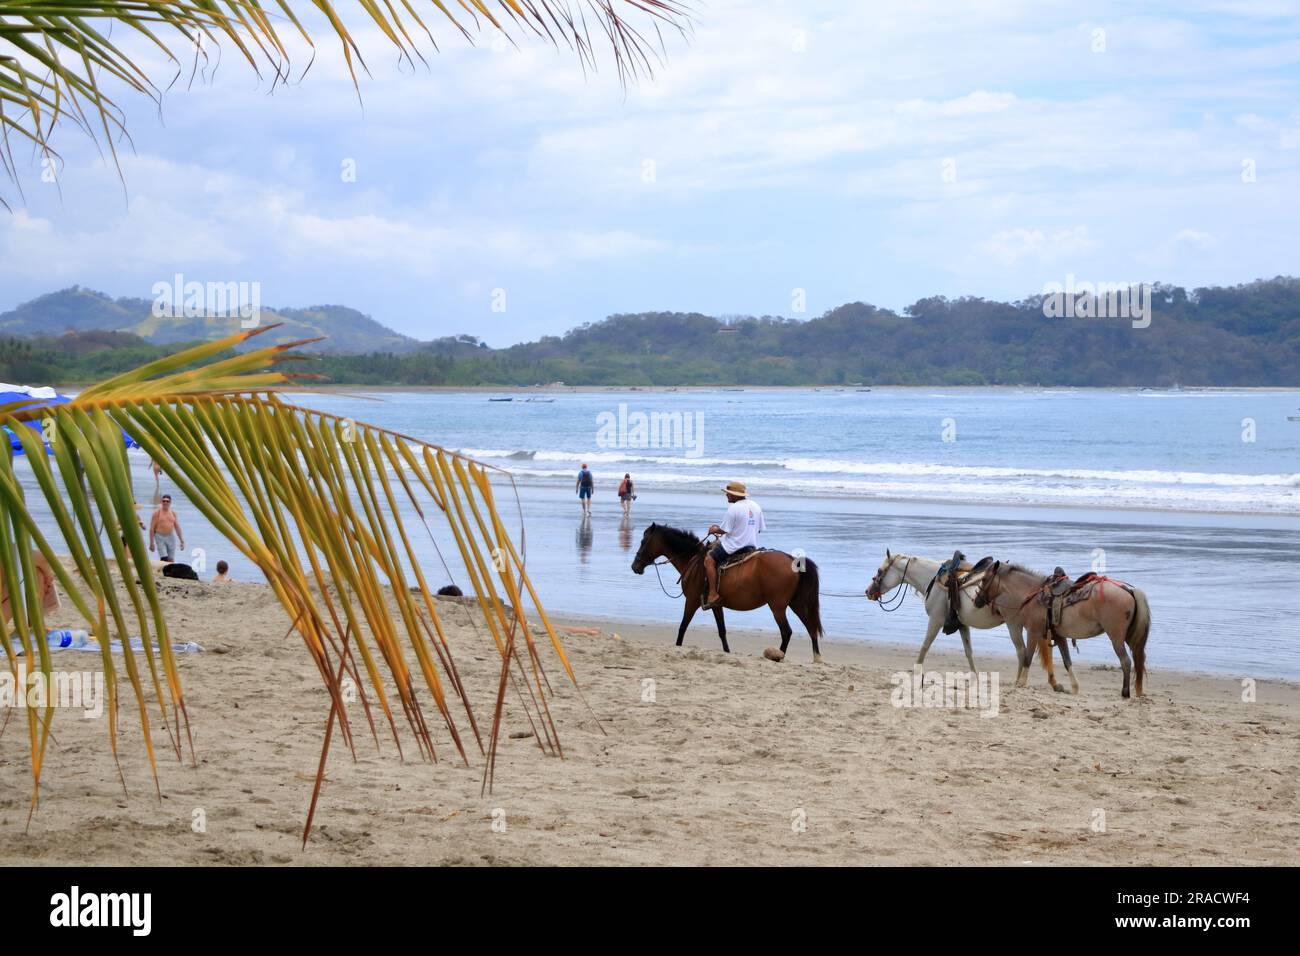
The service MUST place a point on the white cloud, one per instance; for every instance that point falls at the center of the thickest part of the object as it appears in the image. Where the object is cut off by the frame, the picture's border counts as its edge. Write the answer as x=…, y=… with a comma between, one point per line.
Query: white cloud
x=1008, y=247
x=773, y=167
x=1194, y=236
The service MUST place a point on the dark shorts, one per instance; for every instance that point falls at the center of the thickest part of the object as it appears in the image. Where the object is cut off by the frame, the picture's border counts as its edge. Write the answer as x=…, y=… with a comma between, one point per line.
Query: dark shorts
x=719, y=554
x=584, y=491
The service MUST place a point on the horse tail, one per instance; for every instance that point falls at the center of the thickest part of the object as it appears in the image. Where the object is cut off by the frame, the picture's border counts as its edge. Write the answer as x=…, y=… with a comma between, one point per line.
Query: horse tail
x=807, y=601
x=1139, y=627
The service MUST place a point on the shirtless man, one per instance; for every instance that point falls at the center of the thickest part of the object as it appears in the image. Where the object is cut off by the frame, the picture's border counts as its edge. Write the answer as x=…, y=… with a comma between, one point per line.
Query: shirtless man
x=165, y=531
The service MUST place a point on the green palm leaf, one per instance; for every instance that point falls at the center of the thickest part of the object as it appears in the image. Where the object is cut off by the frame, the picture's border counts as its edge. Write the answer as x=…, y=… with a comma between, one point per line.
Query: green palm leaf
x=319, y=504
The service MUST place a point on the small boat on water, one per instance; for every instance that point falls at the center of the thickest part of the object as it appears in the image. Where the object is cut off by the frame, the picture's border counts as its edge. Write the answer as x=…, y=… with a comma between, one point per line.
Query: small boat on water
x=509, y=398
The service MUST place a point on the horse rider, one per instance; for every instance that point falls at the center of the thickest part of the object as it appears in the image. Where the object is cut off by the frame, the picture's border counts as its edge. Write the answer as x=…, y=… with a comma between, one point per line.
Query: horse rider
x=739, y=529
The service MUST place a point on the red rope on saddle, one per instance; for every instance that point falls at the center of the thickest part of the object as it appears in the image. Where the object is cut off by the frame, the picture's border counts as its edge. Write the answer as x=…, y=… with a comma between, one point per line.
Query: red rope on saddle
x=1100, y=579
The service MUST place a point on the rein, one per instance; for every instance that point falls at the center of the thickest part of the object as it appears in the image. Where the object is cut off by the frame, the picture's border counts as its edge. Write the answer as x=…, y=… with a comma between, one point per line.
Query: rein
x=667, y=560
x=655, y=565
x=901, y=590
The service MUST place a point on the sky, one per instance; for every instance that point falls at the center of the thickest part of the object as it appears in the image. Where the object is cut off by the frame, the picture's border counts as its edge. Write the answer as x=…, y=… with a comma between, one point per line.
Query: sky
x=786, y=158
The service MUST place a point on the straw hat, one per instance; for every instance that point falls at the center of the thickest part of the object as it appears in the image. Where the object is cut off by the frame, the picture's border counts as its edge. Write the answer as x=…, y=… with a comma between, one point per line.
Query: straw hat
x=736, y=488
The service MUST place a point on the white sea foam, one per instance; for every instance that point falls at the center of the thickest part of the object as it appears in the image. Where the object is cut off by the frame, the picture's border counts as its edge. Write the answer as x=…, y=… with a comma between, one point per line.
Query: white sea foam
x=830, y=466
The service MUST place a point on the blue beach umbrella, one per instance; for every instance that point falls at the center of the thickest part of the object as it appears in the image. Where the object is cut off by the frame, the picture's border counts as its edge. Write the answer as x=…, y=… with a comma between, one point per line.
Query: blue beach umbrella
x=16, y=398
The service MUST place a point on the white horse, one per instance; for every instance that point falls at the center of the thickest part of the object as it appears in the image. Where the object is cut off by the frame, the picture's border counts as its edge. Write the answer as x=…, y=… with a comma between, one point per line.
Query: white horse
x=917, y=573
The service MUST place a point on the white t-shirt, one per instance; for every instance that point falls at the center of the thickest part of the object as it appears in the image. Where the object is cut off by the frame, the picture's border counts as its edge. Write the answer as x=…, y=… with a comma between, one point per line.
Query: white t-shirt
x=741, y=525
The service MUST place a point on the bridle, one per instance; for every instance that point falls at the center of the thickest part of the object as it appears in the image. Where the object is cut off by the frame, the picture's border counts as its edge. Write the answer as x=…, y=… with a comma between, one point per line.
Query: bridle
x=665, y=559
x=901, y=590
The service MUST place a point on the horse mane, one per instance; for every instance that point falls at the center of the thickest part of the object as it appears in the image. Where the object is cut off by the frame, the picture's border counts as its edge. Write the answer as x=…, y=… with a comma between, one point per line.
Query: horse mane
x=1022, y=569
x=680, y=540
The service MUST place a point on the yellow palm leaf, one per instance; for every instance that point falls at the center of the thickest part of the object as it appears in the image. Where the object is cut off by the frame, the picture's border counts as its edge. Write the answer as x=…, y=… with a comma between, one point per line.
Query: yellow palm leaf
x=319, y=504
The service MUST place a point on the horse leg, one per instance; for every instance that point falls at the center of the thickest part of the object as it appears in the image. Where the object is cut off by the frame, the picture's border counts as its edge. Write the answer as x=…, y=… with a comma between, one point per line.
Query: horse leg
x=1063, y=644
x=1022, y=668
x=1045, y=652
x=1117, y=642
x=778, y=612
x=1139, y=668
x=965, y=641
x=722, y=629
x=1031, y=648
x=931, y=632
x=691, y=607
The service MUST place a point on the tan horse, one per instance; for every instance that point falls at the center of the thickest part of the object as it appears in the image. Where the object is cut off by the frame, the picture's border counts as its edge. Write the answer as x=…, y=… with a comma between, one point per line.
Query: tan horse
x=773, y=578
x=1112, y=607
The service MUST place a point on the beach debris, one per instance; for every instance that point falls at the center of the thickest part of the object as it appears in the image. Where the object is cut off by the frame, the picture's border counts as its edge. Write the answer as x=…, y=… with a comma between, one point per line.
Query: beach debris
x=774, y=654
x=521, y=734
x=586, y=631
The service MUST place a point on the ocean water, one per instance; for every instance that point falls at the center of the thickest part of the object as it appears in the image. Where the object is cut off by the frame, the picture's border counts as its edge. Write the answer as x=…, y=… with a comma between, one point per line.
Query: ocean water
x=1193, y=496
x=1152, y=450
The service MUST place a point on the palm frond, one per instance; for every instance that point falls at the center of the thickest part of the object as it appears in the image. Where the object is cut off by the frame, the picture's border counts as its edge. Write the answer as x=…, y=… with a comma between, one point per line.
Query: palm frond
x=56, y=54
x=320, y=504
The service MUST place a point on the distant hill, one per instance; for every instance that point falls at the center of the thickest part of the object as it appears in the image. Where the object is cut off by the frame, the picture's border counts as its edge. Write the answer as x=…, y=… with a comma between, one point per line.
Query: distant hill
x=83, y=310
x=1245, y=335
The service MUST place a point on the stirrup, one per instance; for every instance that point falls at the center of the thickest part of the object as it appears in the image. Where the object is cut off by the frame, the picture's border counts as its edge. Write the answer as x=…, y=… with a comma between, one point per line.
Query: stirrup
x=710, y=605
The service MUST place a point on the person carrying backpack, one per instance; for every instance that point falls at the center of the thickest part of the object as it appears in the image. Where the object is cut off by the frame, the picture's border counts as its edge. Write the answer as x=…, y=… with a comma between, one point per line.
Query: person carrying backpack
x=586, y=485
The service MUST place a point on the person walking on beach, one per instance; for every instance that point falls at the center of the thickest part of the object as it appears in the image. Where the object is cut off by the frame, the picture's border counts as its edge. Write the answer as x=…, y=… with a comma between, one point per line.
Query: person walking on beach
x=165, y=531
x=156, y=470
x=585, y=487
x=626, y=493
x=740, y=528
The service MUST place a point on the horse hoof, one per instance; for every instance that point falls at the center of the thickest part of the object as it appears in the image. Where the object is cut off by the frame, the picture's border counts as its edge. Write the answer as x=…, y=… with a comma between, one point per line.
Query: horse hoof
x=1058, y=688
x=817, y=659
x=774, y=654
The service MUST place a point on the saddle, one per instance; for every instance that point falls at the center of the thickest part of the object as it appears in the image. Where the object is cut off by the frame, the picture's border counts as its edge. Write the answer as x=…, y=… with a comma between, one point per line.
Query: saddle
x=955, y=575
x=1059, y=592
x=739, y=556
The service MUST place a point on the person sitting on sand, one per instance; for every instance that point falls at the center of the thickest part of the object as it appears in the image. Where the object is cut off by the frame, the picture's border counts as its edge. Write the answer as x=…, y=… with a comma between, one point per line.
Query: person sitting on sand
x=223, y=574
x=165, y=531
x=740, y=528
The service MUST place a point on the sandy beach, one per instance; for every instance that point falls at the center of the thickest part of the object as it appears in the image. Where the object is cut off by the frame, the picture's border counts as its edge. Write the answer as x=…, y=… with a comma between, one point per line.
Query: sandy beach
x=704, y=758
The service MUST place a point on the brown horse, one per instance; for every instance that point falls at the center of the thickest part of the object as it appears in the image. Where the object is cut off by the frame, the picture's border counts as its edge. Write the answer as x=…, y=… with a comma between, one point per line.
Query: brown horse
x=1112, y=607
x=773, y=578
